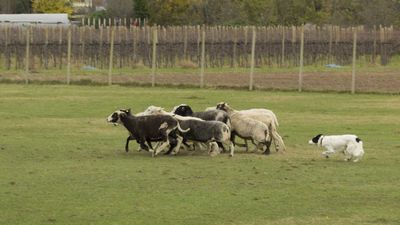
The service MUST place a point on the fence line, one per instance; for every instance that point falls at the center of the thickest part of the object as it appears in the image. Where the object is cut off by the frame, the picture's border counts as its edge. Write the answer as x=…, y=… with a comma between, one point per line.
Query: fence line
x=217, y=46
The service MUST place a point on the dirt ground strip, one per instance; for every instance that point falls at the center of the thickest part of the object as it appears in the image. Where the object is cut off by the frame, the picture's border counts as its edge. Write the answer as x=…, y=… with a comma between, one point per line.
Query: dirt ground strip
x=368, y=82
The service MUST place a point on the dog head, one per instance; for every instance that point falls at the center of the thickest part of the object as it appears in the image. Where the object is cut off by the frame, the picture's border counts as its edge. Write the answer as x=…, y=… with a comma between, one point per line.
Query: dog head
x=315, y=140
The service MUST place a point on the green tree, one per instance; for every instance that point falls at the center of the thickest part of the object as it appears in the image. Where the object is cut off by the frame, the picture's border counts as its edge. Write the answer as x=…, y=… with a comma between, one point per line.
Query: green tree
x=140, y=9
x=165, y=12
x=23, y=6
x=259, y=12
x=386, y=14
x=228, y=12
x=52, y=6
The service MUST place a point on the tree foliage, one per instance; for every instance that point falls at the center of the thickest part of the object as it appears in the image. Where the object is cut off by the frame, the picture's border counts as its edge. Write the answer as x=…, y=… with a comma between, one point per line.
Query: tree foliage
x=232, y=12
x=52, y=6
x=267, y=12
x=15, y=6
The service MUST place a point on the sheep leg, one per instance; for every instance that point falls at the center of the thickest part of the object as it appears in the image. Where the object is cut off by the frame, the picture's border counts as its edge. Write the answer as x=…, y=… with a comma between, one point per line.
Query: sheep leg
x=164, y=145
x=211, y=147
x=267, y=147
x=174, y=144
x=231, y=149
x=267, y=151
x=179, y=141
x=149, y=144
x=233, y=135
x=172, y=140
x=127, y=142
x=186, y=145
x=160, y=148
x=220, y=145
x=246, y=144
x=144, y=146
x=256, y=147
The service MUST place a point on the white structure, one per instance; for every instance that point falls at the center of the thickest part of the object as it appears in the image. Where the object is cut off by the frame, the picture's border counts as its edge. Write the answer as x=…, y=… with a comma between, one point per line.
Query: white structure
x=24, y=19
x=82, y=4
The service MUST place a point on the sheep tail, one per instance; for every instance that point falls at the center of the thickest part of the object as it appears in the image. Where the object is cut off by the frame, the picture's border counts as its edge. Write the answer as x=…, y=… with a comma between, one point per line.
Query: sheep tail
x=182, y=130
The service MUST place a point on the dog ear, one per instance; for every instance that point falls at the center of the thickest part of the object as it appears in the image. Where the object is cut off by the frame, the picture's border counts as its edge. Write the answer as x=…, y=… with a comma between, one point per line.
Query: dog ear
x=316, y=138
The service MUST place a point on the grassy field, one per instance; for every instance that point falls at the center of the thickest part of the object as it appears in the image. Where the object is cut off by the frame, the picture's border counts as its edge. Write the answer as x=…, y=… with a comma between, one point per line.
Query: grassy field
x=60, y=163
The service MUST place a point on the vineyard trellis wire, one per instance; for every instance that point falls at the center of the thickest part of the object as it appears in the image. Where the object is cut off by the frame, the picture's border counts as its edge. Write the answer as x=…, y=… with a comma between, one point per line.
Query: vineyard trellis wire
x=224, y=46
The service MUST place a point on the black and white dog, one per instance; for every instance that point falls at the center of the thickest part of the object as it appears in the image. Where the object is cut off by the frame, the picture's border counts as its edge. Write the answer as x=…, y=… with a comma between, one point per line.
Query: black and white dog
x=350, y=145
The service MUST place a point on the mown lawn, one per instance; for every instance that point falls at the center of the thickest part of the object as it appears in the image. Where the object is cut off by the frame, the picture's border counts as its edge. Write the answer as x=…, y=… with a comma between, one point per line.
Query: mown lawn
x=60, y=163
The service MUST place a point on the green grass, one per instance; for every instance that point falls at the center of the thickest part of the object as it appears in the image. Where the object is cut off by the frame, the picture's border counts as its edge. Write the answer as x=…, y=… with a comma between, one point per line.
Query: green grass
x=60, y=163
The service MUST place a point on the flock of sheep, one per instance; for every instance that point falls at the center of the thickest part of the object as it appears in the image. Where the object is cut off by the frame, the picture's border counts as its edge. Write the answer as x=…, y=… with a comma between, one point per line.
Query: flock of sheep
x=213, y=129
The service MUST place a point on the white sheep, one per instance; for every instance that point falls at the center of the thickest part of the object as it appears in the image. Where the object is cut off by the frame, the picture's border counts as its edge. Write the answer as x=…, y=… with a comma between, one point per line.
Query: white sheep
x=247, y=127
x=268, y=118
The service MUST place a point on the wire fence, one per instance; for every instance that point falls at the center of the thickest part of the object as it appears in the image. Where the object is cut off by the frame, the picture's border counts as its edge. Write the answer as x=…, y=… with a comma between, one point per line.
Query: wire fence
x=41, y=48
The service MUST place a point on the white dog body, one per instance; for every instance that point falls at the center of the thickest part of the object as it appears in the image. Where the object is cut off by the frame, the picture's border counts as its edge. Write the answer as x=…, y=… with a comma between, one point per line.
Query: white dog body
x=349, y=144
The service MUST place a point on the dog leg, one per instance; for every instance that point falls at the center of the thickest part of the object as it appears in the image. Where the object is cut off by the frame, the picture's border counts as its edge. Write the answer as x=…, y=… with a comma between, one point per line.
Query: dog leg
x=347, y=156
x=327, y=153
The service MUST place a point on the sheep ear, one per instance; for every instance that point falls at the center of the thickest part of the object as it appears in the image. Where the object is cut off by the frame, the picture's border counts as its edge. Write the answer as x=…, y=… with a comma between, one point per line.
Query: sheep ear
x=129, y=110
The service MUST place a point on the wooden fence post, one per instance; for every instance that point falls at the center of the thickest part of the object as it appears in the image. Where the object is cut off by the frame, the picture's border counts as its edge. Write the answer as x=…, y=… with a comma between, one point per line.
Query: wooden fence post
x=235, y=37
x=101, y=47
x=134, y=40
x=374, y=45
x=7, y=56
x=185, y=42
x=154, y=57
x=353, y=74
x=283, y=46
x=253, y=48
x=198, y=29
x=301, y=59
x=203, y=53
x=28, y=40
x=246, y=56
x=60, y=39
x=46, y=44
x=330, y=56
x=111, y=55
x=69, y=56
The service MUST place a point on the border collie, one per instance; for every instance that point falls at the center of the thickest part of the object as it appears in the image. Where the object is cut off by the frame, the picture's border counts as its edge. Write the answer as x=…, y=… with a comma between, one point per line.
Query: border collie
x=350, y=145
